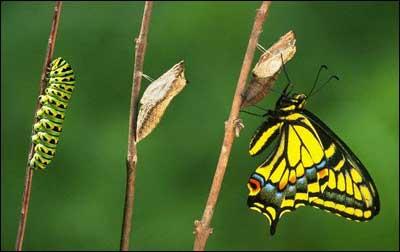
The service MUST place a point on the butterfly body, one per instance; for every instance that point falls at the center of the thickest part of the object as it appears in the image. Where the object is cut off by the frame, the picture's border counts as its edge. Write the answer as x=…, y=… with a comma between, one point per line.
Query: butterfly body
x=310, y=165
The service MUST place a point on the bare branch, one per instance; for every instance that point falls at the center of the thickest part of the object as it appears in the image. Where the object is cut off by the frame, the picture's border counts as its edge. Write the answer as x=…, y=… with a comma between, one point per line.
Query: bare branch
x=202, y=228
x=29, y=172
x=141, y=43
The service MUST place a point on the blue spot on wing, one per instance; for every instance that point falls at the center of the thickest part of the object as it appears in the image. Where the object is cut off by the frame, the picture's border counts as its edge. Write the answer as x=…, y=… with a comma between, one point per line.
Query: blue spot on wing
x=259, y=178
x=311, y=174
x=277, y=200
x=269, y=188
x=290, y=191
x=321, y=165
x=301, y=184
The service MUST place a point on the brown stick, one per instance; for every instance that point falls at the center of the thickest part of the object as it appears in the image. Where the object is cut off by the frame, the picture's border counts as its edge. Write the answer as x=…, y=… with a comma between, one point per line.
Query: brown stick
x=29, y=172
x=131, y=161
x=202, y=228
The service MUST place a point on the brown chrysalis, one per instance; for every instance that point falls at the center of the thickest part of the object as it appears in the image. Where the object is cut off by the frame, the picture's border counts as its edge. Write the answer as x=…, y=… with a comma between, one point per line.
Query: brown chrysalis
x=267, y=69
x=156, y=99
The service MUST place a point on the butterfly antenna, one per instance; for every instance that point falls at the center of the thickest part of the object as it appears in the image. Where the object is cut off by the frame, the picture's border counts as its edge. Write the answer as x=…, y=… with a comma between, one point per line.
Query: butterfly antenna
x=316, y=78
x=287, y=77
x=326, y=82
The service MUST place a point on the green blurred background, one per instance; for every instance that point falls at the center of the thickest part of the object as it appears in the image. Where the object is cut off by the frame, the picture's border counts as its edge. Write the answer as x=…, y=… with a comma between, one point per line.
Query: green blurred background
x=77, y=204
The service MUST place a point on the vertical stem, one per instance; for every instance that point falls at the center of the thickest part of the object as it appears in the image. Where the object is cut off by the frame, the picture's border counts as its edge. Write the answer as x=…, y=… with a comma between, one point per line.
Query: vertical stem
x=202, y=228
x=131, y=161
x=29, y=172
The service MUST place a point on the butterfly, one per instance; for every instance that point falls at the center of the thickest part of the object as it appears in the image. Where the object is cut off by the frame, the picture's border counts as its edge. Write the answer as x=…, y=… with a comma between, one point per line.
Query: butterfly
x=309, y=165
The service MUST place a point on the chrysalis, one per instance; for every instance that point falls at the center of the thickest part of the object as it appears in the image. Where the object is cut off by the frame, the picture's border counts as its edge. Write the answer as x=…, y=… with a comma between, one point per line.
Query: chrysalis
x=268, y=67
x=157, y=97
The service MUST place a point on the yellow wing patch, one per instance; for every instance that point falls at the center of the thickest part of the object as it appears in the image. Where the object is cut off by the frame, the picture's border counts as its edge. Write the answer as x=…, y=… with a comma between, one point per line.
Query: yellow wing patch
x=263, y=139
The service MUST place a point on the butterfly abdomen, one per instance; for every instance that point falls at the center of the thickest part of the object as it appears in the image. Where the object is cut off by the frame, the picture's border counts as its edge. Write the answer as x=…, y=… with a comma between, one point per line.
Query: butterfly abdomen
x=61, y=80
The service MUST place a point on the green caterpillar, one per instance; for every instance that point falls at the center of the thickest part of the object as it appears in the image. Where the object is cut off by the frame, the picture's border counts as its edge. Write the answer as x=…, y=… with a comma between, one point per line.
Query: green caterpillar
x=61, y=80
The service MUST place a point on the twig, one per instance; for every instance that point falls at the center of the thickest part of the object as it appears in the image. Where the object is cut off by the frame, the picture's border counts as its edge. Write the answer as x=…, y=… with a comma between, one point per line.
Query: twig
x=131, y=161
x=29, y=171
x=202, y=228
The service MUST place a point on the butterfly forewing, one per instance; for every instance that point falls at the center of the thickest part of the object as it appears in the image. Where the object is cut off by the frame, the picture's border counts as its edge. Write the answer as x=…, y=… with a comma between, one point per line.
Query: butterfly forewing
x=264, y=136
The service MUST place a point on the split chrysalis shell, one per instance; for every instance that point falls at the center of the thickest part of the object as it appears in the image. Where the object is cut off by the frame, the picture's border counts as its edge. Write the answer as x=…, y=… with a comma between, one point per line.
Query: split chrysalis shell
x=267, y=69
x=157, y=97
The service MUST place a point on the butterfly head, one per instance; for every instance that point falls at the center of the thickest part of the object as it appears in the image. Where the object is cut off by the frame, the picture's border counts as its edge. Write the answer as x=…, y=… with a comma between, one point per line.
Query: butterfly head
x=291, y=102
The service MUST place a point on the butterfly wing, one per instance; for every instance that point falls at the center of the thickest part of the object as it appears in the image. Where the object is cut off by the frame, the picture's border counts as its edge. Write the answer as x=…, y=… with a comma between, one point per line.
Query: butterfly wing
x=292, y=174
x=301, y=171
x=350, y=191
x=264, y=136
